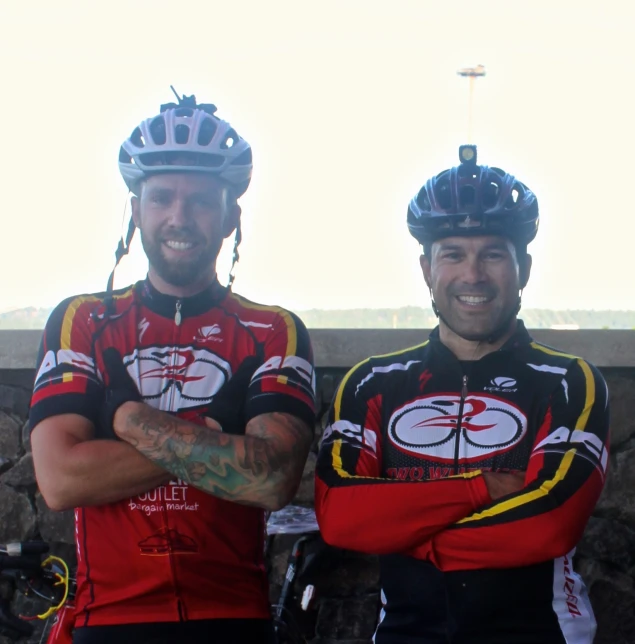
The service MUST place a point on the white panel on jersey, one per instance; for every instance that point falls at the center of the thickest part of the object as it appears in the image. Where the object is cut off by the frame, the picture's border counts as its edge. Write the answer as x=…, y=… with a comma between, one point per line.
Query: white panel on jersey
x=396, y=366
x=571, y=603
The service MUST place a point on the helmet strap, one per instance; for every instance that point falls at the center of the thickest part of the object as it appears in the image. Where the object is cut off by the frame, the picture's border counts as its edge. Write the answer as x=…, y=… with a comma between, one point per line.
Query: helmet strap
x=235, y=257
x=123, y=248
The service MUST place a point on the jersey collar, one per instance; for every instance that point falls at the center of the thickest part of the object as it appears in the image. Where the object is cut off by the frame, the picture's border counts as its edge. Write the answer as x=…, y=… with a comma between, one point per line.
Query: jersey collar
x=519, y=338
x=166, y=305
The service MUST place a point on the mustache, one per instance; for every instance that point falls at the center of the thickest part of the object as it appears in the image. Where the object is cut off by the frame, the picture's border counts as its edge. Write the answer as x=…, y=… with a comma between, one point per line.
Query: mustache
x=473, y=289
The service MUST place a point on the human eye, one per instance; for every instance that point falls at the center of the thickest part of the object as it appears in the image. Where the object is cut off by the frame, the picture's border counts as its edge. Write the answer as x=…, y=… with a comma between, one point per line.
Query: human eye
x=161, y=199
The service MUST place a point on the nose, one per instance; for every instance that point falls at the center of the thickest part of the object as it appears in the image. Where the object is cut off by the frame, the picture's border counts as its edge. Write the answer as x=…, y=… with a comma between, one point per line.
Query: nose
x=473, y=272
x=178, y=215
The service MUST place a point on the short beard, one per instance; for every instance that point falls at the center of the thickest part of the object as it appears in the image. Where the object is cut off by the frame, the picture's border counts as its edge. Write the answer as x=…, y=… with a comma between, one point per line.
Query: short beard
x=490, y=336
x=183, y=273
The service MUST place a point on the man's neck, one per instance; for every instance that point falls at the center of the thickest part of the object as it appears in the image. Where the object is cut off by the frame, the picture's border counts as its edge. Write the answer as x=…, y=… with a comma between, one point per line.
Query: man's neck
x=472, y=349
x=189, y=290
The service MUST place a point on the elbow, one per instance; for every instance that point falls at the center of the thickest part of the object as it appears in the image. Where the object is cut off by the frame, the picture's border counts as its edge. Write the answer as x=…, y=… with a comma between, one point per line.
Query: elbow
x=57, y=500
x=335, y=530
x=280, y=496
x=57, y=493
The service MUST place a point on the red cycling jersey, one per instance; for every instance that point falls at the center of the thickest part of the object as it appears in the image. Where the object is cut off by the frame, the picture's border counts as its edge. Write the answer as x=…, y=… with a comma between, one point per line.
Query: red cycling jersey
x=174, y=553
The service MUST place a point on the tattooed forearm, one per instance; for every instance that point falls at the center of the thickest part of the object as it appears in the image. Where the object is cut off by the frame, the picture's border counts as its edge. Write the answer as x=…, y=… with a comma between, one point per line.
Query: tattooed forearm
x=261, y=468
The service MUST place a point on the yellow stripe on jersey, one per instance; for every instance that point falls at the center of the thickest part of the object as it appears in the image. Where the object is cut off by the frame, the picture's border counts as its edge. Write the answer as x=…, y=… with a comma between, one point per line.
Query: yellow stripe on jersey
x=590, y=395
x=542, y=491
x=565, y=464
x=69, y=316
x=283, y=380
x=67, y=377
x=292, y=335
x=552, y=352
x=340, y=390
x=589, y=399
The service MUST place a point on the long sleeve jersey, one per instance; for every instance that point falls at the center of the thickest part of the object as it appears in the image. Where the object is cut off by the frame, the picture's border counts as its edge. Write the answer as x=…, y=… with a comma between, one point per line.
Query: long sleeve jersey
x=400, y=475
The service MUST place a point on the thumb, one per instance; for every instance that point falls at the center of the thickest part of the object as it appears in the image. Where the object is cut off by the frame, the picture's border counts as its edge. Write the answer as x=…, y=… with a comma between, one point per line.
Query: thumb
x=212, y=424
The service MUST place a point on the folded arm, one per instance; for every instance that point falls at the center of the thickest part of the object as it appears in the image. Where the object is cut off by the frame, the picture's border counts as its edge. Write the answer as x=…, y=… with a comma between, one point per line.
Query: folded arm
x=564, y=480
x=262, y=468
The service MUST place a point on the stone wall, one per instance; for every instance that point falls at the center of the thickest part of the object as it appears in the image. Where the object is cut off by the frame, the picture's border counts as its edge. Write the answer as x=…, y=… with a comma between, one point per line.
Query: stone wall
x=345, y=611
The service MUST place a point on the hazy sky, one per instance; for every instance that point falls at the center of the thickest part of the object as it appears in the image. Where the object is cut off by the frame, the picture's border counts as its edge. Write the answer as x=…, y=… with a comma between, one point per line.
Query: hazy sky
x=349, y=107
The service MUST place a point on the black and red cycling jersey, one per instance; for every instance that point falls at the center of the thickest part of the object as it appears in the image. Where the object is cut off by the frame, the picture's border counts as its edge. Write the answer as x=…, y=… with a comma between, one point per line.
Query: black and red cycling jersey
x=400, y=475
x=174, y=553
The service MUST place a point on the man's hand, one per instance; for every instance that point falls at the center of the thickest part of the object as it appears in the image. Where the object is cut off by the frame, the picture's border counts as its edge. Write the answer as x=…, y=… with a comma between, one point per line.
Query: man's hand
x=502, y=483
x=228, y=405
x=121, y=388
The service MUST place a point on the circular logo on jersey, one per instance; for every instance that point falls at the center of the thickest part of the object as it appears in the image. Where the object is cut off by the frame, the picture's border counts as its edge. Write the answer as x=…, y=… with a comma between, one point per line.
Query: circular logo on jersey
x=174, y=378
x=436, y=427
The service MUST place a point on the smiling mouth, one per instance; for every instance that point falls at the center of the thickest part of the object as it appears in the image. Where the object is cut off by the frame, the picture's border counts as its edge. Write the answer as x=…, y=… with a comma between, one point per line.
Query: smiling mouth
x=474, y=300
x=178, y=245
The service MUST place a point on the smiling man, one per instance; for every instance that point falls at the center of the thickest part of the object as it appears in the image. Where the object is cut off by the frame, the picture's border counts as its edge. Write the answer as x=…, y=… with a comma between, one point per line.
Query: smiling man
x=172, y=414
x=471, y=463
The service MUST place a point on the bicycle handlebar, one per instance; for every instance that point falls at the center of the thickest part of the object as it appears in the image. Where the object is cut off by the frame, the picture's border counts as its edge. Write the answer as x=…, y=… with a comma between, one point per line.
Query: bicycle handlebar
x=21, y=564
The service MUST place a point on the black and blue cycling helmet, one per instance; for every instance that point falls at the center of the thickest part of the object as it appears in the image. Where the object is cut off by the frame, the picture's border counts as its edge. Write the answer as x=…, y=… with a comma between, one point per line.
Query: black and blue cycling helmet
x=471, y=200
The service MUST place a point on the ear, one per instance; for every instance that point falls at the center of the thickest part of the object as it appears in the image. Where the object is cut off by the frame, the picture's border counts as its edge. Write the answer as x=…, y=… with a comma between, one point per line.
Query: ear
x=231, y=219
x=424, y=262
x=524, y=270
x=136, y=216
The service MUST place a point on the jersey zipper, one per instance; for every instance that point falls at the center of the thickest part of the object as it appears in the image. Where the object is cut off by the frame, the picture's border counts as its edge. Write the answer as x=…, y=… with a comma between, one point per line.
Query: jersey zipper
x=175, y=339
x=458, y=424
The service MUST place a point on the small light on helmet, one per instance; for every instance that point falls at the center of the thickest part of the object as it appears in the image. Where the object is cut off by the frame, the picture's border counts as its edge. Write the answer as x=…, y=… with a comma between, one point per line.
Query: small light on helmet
x=467, y=154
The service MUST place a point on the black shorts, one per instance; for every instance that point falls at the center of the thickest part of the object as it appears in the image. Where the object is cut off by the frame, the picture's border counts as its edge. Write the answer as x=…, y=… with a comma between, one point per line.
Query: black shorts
x=212, y=631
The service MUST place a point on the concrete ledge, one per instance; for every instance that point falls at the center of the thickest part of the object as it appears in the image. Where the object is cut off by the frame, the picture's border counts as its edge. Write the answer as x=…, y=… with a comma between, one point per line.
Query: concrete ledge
x=343, y=348
x=347, y=347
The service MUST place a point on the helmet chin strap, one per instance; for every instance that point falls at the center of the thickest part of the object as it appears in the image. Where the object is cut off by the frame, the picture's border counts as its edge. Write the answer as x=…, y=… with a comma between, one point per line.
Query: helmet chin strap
x=235, y=257
x=500, y=330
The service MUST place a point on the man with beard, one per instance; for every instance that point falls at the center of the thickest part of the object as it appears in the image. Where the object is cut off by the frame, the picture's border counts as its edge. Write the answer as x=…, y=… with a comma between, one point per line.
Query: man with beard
x=172, y=414
x=471, y=463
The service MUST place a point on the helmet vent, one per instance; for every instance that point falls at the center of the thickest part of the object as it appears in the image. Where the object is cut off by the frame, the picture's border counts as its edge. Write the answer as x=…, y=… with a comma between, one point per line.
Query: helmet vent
x=230, y=140
x=490, y=194
x=467, y=195
x=137, y=138
x=206, y=132
x=181, y=134
x=157, y=130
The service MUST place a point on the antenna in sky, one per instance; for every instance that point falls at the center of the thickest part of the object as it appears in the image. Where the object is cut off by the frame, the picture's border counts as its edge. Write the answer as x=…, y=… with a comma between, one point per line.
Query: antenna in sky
x=472, y=73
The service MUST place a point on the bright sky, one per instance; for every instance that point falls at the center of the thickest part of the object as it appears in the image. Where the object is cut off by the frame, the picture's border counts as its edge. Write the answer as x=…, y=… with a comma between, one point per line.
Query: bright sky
x=349, y=106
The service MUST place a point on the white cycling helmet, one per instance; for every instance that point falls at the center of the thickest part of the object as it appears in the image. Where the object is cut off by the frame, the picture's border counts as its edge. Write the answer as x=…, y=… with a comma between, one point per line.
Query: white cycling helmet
x=186, y=137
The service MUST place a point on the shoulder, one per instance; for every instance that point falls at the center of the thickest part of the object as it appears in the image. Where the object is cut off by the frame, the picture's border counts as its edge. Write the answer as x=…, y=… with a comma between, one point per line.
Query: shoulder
x=575, y=369
x=256, y=315
x=395, y=362
x=79, y=311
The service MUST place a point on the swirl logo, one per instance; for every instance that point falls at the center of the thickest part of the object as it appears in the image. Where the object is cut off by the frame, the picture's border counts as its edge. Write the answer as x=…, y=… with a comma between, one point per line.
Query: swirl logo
x=429, y=426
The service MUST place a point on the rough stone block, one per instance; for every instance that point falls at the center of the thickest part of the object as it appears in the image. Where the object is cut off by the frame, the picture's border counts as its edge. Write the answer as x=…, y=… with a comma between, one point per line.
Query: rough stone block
x=609, y=542
x=618, y=497
x=22, y=475
x=344, y=573
x=612, y=596
x=26, y=437
x=55, y=526
x=353, y=618
x=15, y=400
x=18, y=516
x=622, y=401
x=10, y=447
x=306, y=491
